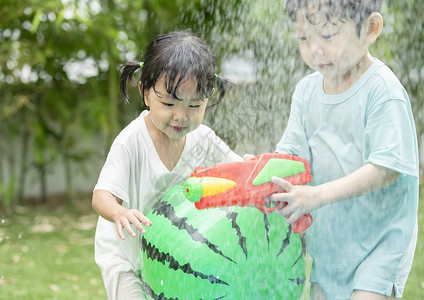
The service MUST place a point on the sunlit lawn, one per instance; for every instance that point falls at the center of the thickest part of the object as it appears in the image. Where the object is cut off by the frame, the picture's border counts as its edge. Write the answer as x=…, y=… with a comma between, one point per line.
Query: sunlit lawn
x=46, y=252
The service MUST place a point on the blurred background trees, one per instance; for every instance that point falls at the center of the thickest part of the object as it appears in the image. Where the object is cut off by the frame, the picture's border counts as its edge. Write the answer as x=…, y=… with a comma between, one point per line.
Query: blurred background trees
x=60, y=106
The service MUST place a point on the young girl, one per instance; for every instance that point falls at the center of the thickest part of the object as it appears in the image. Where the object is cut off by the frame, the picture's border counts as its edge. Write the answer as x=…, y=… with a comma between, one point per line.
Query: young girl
x=159, y=148
x=353, y=121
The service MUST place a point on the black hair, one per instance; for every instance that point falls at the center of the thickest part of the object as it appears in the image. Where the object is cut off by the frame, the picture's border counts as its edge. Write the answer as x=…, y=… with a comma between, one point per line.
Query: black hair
x=179, y=56
x=345, y=10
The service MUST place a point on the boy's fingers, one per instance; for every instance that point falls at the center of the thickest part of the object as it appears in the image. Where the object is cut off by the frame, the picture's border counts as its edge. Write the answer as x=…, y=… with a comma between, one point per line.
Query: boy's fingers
x=292, y=218
x=285, y=197
x=247, y=157
x=286, y=211
x=285, y=185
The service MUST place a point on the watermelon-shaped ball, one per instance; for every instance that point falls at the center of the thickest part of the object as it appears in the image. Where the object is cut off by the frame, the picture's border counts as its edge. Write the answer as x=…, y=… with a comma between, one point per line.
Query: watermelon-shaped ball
x=220, y=253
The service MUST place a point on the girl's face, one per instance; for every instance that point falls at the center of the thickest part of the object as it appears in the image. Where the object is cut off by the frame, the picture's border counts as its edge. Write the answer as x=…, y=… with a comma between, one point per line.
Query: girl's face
x=173, y=117
x=331, y=47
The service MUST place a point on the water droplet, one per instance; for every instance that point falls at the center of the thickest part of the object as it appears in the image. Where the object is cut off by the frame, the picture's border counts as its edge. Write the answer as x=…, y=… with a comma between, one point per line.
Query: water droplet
x=161, y=282
x=20, y=235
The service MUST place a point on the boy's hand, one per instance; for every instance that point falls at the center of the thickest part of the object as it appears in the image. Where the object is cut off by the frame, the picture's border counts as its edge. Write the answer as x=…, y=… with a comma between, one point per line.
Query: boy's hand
x=247, y=157
x=300, y=199
x=128, y=216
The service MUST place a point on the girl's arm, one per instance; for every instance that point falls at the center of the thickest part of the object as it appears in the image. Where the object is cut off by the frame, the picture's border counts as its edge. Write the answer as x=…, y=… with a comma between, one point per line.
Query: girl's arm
x=302, y=199
x=110, y=208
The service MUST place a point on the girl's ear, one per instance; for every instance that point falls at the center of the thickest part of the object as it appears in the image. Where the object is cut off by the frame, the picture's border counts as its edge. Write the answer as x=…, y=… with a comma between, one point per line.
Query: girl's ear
x=375, y=26
x=140, y=88
x=145, y=96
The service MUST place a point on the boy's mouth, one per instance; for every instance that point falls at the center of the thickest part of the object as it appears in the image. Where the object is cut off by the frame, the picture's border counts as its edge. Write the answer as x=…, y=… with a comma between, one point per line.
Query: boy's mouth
x=323, y=66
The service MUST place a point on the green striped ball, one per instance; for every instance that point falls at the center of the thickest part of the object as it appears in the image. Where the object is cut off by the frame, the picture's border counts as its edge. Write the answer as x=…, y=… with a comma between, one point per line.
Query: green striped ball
x=220, y=253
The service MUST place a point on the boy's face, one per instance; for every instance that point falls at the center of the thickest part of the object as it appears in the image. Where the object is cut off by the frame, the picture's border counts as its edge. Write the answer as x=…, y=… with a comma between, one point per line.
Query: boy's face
x=330, y=46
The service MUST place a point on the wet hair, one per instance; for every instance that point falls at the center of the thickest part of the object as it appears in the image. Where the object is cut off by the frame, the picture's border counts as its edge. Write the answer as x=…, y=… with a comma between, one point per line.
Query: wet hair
x=344, y=10
x=178, y=56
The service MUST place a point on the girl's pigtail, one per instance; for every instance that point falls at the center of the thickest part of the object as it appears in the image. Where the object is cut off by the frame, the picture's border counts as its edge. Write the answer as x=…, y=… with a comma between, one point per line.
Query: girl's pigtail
x=128, y=70
x=223, y=85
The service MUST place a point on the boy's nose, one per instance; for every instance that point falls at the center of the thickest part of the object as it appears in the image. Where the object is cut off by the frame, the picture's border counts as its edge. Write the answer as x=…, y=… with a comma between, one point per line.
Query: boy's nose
x=316, y=48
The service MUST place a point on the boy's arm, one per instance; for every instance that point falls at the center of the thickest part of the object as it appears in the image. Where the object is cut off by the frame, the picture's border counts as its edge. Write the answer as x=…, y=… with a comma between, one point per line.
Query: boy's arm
x=304, y=199
x=111, y=209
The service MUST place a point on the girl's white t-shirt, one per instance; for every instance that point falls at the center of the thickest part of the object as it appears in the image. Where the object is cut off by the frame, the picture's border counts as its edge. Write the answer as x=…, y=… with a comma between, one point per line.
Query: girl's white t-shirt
x=134, y=173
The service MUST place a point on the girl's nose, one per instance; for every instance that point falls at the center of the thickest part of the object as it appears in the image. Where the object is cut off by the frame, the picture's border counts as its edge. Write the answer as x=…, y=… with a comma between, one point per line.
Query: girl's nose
x=180, y=113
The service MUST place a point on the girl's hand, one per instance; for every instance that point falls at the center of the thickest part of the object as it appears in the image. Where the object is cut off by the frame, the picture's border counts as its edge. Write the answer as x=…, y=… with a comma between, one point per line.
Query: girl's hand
x=301, y=199
x=128, y=216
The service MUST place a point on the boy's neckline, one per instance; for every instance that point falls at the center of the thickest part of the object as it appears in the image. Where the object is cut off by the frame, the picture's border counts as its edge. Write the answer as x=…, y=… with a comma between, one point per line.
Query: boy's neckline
x=341, y=85
x=338, y=98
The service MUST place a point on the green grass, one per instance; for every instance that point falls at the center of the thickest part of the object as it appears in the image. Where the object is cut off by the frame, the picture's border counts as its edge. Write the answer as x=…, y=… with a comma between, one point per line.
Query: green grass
x=414, y=289
x=47, y=252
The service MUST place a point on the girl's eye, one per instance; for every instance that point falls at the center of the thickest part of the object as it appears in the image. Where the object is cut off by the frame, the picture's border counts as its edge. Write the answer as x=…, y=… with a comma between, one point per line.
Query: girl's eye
x=302, y=38
x=168, y=104
x=194, y=106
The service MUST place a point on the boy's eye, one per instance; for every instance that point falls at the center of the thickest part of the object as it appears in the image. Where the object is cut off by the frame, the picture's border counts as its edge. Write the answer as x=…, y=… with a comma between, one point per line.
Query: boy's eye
x=329, y=36
x=195, y=106
x=168, y=104
x=302, y=38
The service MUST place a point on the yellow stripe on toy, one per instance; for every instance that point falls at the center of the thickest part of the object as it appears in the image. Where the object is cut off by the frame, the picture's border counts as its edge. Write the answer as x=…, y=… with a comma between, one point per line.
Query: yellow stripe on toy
x=197, y=187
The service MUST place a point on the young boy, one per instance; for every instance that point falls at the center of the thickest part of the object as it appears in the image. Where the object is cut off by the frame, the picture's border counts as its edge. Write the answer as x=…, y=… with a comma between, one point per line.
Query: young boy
x=352, y=120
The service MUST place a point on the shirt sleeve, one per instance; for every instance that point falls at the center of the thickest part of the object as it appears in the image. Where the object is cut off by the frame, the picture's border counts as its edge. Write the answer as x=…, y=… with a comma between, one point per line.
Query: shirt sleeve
x=390, y=139
x=114, y=176
x=294, y=140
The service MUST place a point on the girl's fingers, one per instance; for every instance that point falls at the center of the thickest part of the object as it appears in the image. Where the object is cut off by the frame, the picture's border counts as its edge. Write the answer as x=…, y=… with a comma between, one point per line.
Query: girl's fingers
x=120, y=232
x=135, y=217
x=130, y=231
x=126, y=224
x=143, y=219
x=138, y=225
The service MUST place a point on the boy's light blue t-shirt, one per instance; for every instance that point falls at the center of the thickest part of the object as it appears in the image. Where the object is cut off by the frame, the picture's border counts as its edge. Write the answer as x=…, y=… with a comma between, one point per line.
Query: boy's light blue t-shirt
x=361, y=241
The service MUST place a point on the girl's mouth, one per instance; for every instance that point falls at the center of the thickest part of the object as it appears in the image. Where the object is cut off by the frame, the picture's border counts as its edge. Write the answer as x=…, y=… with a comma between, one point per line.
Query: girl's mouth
x=178, y=128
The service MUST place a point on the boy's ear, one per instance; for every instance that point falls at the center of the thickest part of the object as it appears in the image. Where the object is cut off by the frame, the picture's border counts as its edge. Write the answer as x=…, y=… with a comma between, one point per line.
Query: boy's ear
x=375, y=26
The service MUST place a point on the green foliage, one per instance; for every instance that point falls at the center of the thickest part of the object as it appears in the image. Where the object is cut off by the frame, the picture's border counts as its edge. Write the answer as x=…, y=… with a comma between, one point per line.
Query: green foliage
x=7, y=191
x=59, y=72
x=59, y=76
